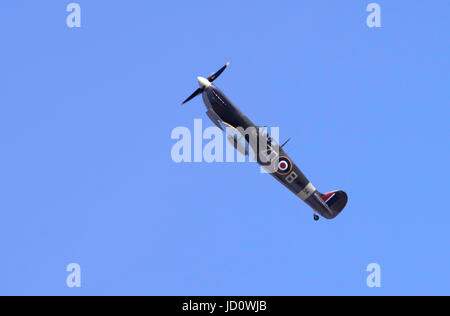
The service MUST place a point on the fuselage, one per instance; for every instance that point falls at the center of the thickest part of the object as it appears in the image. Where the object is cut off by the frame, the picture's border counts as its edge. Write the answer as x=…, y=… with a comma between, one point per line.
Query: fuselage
x=221, y=109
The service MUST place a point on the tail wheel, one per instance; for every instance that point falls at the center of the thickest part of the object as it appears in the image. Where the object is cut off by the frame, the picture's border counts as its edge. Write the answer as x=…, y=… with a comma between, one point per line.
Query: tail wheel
x=316, y=217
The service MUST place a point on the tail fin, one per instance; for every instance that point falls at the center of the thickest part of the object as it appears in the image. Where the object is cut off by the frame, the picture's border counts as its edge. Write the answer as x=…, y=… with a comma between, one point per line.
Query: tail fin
x=335, y=201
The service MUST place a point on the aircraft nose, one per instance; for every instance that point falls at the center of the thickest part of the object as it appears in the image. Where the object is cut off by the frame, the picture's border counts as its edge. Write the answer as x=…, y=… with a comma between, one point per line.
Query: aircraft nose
x=203, y=82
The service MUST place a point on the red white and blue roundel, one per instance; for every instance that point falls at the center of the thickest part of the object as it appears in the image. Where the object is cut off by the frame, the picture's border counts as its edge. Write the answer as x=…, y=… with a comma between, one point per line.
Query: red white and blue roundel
x=284, y=165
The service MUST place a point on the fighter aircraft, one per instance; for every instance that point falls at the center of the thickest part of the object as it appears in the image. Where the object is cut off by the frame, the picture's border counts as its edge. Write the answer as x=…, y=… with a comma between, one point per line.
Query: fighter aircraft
x=224, y=114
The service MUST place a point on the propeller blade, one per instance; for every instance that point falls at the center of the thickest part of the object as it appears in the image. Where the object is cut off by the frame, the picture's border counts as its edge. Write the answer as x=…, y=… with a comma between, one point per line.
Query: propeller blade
x=214, y=76
x=193, y=95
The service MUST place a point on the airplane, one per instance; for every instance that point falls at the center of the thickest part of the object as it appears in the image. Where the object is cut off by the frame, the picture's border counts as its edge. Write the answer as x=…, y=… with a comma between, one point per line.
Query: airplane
x=224, y=113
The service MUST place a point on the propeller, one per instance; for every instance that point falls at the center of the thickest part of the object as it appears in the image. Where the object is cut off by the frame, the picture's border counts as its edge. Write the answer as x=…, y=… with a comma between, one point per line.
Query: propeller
x=203, y=82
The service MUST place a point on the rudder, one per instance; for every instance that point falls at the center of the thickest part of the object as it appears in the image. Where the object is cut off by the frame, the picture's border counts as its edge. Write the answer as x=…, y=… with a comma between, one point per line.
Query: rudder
x=336, y=201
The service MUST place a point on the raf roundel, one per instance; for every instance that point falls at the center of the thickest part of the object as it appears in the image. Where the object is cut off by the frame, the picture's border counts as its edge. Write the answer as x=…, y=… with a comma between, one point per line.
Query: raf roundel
x=284, y=165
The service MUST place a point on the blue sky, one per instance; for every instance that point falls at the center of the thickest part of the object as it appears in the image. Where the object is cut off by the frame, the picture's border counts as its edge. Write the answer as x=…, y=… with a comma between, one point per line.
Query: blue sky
x=86, y=174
